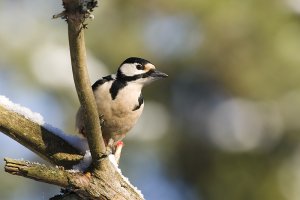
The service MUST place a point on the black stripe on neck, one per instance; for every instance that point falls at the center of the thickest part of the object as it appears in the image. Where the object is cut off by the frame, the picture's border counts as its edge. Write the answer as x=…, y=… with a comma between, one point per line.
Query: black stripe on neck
x=141, y=101
x=116, y=86
x=122, y=80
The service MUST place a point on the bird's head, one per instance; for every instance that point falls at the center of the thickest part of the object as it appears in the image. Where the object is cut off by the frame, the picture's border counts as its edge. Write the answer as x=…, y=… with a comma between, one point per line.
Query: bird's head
x=139, y=70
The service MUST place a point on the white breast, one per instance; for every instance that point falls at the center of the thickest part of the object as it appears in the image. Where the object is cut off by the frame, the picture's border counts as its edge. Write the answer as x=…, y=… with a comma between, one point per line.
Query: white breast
x=118, y=114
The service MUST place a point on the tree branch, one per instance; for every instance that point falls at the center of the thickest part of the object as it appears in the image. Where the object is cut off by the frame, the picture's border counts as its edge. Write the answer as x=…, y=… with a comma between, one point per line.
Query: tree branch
x=38, y=139
x=113, y=185
x=75, y=15
x=52, y=175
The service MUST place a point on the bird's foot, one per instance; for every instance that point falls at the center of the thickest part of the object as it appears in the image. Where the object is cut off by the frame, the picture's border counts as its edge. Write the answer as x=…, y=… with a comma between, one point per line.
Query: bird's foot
x=115, y=149
x=118, y=150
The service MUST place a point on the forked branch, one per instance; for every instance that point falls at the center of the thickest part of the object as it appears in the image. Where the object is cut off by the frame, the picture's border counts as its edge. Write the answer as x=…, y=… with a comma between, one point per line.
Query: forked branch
x=103, y=180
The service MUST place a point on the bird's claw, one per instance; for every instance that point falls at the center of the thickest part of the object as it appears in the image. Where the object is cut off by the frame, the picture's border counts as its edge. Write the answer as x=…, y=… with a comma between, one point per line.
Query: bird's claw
x=101, y=120
x=110, y=147
x=115, y=149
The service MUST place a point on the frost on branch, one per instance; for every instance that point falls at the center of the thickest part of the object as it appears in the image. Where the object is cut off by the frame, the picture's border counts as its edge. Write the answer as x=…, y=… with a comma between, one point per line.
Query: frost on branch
x=27, y=113
x=76, y=141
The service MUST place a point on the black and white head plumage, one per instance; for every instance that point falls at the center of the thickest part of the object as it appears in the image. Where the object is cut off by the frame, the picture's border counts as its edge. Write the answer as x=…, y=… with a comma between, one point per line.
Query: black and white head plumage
x=133, y=66
x=132, y=70
x=138, y=70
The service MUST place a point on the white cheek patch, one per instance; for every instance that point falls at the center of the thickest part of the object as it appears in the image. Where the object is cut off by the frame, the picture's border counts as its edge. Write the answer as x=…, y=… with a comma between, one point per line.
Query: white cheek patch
x=130, y=69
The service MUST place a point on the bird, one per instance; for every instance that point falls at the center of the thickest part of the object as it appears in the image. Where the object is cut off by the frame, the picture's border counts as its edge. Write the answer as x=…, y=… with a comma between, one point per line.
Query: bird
x=119, y=98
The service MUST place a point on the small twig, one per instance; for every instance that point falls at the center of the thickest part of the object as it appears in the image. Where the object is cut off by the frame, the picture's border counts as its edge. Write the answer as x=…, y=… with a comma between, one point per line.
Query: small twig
x=56, y=176
x=59, y=15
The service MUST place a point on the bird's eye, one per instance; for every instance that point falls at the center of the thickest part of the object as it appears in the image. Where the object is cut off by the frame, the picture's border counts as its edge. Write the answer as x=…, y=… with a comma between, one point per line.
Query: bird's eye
x=140, y=67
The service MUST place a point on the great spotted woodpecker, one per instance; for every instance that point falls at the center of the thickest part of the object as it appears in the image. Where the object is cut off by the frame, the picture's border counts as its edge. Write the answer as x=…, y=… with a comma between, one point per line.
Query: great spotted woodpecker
x=119, y=99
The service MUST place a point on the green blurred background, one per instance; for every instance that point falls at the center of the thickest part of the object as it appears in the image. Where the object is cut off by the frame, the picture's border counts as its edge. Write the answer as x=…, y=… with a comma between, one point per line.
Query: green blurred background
x=223, y=126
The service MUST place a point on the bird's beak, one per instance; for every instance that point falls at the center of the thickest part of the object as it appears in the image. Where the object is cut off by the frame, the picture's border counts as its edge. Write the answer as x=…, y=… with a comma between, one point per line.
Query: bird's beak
x=157, y=74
